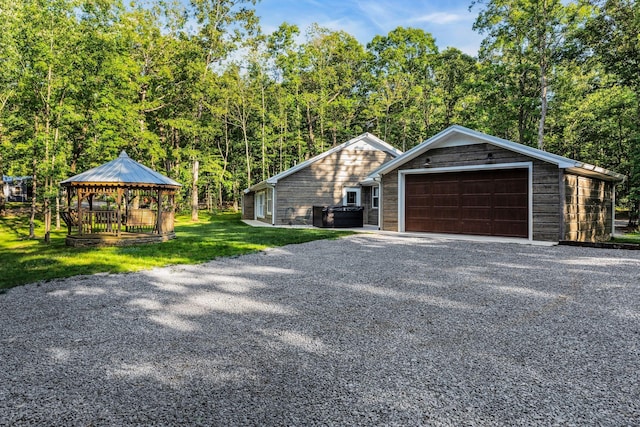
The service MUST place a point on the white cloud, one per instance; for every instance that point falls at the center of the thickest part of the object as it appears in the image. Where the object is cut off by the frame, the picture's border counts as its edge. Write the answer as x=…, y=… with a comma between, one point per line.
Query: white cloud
x=449, y=21
x=439, y=18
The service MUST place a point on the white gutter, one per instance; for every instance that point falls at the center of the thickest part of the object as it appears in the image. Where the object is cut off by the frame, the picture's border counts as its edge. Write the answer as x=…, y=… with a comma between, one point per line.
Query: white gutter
x=273, y=206
x=380, y=201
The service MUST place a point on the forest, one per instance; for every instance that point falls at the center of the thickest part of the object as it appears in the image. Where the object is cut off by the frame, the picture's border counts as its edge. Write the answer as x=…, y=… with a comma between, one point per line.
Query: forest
x=200, y=93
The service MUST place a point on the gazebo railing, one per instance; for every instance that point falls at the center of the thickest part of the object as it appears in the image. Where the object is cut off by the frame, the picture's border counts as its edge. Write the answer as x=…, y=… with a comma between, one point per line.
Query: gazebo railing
x=99, y=222
x=106, y=221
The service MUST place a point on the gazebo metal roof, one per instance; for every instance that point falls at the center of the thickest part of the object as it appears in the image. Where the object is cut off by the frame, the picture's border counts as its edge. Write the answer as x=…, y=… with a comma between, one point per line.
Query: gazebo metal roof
x=122, y=170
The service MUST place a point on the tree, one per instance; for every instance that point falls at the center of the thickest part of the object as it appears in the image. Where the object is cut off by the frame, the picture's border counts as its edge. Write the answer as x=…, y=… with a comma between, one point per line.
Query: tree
x=286, y=64
x=43, y=40
x=525, y=35
x=402, y=84
x=9, y=16
x=333, y=63
x=612, y=36
x=222, y=24
x=453, y=73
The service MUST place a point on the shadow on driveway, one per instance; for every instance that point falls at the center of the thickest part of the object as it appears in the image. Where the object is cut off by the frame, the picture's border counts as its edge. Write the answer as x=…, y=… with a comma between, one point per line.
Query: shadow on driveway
x=369, y=329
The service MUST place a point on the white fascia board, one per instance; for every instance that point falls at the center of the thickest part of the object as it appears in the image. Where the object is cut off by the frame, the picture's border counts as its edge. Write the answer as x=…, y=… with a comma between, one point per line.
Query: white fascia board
x=259, y=186
x=368, y=181
x=586, y=169
x=469, y=168
x=411, y=154
x=436, y=140
x=369, y=138
x=380, y=144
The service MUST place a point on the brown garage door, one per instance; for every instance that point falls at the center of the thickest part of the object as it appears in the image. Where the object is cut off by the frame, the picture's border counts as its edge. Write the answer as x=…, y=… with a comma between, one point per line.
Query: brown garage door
x=491, y=203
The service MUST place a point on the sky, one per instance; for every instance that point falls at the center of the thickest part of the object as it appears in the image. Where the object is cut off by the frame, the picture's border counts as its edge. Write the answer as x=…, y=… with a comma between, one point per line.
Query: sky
x=449, y=22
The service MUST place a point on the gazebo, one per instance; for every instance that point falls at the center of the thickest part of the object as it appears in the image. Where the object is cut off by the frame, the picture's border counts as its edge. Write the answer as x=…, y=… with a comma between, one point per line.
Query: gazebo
x=121, y=202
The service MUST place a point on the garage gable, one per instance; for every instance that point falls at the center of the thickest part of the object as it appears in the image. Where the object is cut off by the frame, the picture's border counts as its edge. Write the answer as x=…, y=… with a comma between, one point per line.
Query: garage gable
x=457, y=136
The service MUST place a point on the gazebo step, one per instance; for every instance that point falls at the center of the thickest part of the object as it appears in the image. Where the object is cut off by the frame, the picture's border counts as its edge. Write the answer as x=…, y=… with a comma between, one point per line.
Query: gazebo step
x=125, y=239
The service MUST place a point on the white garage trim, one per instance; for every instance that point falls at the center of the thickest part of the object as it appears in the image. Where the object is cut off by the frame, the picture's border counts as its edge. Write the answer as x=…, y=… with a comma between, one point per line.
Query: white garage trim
x=518, y=165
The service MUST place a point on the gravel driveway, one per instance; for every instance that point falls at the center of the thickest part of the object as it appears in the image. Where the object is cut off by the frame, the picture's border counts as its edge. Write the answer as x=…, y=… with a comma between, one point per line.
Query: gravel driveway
x=366, y=330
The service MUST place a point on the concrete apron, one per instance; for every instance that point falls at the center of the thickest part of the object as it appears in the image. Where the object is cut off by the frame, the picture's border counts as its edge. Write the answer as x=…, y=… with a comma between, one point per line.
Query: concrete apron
x=460, y=237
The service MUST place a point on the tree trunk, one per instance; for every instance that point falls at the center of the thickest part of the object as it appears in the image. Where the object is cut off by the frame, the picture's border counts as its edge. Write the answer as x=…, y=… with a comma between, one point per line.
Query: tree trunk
x=34, y=205
x=542, y=37
x=2, y=199
x=47, y=219
x=247, y=152
x=264, y=137
x=634, y=179
x=58, y=211
x=194, y=190
x=3, y=206
x=543, y=107
x=312, y=138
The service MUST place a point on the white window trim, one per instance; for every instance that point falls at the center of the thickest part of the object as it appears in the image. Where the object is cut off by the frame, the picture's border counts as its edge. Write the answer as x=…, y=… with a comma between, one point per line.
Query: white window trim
x=380, y=202
x=373, y=196
x=260, y=199
x=356, y=190
x=519, y=165
x=269, y=200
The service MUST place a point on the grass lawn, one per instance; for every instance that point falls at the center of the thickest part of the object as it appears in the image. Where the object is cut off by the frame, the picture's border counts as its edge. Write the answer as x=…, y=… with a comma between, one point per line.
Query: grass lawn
x=23, y=260
x=628, y=238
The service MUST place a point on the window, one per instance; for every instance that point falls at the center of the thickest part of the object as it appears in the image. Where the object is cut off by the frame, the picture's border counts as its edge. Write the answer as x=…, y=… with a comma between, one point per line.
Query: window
x=269, y=200
x=375, y=197
x=260, y=204
x=351, y=196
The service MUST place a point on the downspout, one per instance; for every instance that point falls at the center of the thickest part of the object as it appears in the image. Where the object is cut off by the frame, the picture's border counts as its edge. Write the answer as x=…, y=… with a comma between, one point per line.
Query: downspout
x=613, y=209
x=255, y=205
x=380, y=202
x=563, y=204
x=273, y=206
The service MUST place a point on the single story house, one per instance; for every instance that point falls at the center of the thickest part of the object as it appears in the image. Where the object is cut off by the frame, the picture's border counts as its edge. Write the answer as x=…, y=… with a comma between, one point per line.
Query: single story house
x=460, y=181
x=466, y=182
x=16, y=188
x=328, y=179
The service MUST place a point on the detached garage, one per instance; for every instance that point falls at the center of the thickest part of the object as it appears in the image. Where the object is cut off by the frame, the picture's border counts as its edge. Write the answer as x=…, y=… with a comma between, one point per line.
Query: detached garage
x=466, y=182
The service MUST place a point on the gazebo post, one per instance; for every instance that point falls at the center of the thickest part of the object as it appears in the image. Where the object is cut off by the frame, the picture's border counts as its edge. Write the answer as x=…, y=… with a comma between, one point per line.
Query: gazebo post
x=159, y=215
x=79, y=210
x=69, y=223
x=119, y=211
x=126, y=197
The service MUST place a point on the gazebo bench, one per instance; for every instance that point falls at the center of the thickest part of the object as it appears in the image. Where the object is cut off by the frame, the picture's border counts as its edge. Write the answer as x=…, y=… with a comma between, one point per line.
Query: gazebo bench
x=141, y=218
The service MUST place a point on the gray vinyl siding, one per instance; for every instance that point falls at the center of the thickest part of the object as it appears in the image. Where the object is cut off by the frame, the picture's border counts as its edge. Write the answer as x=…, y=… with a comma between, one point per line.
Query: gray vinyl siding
x=322, y=183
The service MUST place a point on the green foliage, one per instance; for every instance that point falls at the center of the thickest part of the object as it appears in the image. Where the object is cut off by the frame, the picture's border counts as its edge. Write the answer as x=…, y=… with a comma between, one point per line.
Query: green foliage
x=26, y=260
x=612, y=39
x=628, y=238
x=179, y=84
